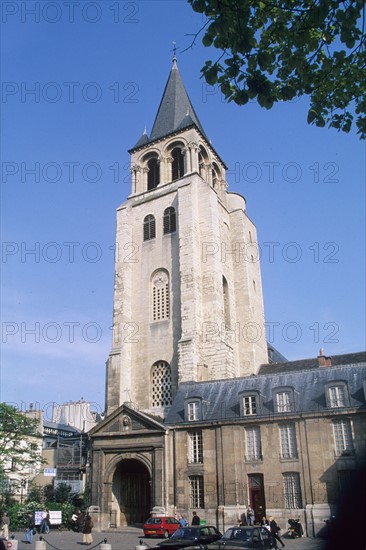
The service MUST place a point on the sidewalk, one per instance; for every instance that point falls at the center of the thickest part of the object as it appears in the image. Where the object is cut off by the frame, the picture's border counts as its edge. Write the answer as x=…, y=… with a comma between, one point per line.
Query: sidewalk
x=127, y=539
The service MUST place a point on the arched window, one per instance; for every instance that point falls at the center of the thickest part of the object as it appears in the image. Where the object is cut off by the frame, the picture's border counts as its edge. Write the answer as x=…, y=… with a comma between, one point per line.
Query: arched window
x=153, y=175
x=160, y=296
x=178, y=164
x=169, y=220
x=161, y=384
x=149, y=227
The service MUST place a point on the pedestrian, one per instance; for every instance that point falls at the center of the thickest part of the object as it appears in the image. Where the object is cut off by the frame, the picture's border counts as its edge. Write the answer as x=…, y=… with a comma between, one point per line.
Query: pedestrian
x=182, y=520
x=196, y=519
x=5, y=525
x=87, y=530
x=275, y=530
x=250, y=515
x=243, y=519
x=265, y=523
x=30, y=528
x=45, y=523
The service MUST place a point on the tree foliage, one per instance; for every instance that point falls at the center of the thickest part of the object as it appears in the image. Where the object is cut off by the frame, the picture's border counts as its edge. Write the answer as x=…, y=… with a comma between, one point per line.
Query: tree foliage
x=279, y=50
x=19, y=448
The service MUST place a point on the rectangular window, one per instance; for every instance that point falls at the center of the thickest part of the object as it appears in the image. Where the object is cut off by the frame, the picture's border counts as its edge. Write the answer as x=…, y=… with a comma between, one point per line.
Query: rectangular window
x=253, y=444
x=283, y=401
x=197, y=492
x=337, y=396
x=192, y=411
x=343, y=442
x=288, y=441
x=195, y=448
x=249, y=405
x=292, y=490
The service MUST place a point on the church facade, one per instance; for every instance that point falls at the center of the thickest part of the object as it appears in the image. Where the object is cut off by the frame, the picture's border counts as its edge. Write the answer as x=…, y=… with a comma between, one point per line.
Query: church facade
x=197, y=416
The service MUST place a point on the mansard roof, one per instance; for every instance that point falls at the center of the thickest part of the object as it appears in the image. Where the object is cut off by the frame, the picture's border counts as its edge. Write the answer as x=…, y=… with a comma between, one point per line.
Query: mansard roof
x=221, y=398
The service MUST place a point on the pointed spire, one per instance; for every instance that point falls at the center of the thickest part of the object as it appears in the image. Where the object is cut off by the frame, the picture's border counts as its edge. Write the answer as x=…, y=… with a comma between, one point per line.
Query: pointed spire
x=175, y=107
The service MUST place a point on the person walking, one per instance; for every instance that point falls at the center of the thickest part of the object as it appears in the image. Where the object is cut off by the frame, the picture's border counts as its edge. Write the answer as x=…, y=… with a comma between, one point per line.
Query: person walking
x=275, y=530
x=45, y=523
x=87, y=530
x=182, y=520
x=5, y=525
x=196, y=519
x=30, y=528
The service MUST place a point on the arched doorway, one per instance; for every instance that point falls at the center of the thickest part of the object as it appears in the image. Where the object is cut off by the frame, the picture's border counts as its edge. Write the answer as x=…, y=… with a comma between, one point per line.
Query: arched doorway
x=131, y=489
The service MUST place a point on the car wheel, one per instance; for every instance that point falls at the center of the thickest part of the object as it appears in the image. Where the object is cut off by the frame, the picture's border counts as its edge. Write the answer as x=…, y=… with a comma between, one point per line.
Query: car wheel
x=166, y=534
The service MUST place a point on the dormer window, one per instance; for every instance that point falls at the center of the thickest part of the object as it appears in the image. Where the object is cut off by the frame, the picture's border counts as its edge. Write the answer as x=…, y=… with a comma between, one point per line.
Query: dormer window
x=337, y=395
x=284, y=400
x=193, y=410
x=249, y=404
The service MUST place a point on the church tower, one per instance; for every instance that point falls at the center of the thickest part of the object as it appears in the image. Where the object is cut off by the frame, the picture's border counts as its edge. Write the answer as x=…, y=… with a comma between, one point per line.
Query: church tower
x=188, y=300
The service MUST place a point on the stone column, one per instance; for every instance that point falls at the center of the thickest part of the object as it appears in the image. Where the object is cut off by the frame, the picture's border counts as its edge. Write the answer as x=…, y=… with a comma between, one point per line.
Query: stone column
x=162, y=173
x=145, y=172
x=187, y=160
x=134, y=170
x=194, y=156
x=208, y=167
x=169, y=174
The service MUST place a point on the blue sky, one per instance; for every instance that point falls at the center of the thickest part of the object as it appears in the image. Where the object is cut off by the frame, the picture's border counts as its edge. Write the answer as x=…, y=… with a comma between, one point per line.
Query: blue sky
x=98, y=71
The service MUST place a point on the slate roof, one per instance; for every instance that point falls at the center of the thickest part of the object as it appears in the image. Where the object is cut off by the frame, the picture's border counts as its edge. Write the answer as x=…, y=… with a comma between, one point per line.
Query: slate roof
x=312, y=363
x=221, y=399
x=174, y=107
x=175, y=112
x=63, y=427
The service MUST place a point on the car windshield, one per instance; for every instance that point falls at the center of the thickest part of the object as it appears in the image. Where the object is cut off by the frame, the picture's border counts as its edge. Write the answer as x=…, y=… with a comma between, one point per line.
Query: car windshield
x=238, y=534
x=186, y=533
x=154, y=520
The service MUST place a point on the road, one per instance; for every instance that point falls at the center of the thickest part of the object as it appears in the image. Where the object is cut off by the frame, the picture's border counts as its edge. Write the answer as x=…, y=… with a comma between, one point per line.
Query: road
x=128, y=538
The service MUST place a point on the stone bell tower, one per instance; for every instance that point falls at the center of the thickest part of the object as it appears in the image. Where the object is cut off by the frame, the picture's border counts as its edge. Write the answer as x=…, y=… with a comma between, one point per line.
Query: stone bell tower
x=188, y=296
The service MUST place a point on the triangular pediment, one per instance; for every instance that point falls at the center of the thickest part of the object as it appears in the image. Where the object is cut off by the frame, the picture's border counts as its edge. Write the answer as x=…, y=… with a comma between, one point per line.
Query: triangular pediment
x=127, y=420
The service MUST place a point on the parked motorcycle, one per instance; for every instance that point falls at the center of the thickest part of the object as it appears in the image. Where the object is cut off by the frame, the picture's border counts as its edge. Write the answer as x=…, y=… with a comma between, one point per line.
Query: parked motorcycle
x=295, y=528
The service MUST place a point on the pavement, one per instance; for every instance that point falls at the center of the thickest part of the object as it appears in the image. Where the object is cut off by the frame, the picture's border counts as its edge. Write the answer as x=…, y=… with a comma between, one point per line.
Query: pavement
x=127, y=539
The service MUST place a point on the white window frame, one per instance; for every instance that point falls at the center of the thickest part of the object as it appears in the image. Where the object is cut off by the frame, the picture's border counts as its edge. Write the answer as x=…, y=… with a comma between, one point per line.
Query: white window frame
x=195, y=455
x=343, y=437
x=284, y=401
x=250, y=405
x=196, y=485
x=193, y=411
x=288, y=441
x=337, y=396
x=253, y=443
x=292, y=490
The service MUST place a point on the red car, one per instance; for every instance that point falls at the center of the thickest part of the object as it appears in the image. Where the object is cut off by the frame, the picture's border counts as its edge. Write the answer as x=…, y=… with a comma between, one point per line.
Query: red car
x=161, y=526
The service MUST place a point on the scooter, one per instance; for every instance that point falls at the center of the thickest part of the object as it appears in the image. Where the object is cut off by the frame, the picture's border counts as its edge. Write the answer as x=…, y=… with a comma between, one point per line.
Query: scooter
x=295, y=529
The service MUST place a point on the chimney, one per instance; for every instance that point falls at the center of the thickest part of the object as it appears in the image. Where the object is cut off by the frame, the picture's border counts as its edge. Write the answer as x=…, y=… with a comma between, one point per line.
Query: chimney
x=323, y=360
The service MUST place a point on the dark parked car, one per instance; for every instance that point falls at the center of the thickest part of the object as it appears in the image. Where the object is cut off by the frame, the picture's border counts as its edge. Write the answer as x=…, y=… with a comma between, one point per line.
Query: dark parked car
x=195, y=537
x=245, y=537
x=160, y=526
